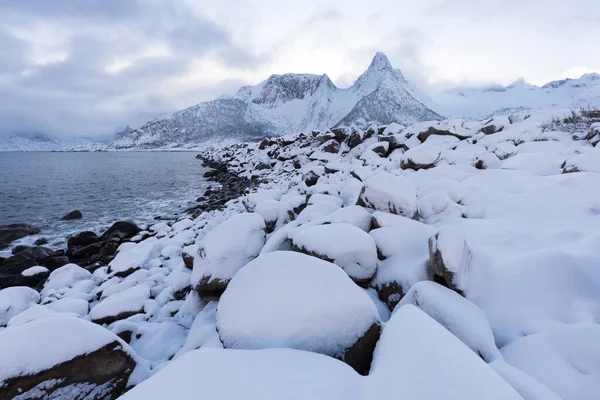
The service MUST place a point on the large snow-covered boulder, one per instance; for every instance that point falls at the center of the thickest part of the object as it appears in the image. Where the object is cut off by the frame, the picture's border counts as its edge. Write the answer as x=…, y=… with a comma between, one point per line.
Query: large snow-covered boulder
x=63, y=358
x=289, y=299
x=270, y=374
x=565, y=358
x=227, y=248
x=128, y=261
x=120, y=305
x=404, y=258
x=421, y=157
x=275, y=213
x=417, y=358
x=353, y=215
x=450, y=258
x=342, y=244
x=390, y=193
x=460, y=316
x=14, y=300
x=66, y=277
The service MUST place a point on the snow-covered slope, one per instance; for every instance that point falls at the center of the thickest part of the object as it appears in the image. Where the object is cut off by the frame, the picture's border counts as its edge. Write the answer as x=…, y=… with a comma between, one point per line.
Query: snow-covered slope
x=289, y=103
x=520, y=96
x=41, y=143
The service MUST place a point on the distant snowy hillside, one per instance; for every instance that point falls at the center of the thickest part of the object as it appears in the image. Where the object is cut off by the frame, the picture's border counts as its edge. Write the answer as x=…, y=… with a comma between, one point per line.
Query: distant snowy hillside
x=41, y=143
x=520, y=96
x=289, y=103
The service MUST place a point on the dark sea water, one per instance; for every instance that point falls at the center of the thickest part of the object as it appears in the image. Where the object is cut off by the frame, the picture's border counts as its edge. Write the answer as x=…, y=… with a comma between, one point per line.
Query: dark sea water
x=40, y=187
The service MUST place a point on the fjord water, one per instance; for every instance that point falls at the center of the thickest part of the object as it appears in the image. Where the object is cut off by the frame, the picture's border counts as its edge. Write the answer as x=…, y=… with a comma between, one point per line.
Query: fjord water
x=40, y=187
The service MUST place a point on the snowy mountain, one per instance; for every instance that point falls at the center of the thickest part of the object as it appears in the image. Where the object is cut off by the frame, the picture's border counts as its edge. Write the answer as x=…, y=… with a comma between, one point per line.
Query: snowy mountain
x=43, y=143
x=290, y=103
x=520, y=96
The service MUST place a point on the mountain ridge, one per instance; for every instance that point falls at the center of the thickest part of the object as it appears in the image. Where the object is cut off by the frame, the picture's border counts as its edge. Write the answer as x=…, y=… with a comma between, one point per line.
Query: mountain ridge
x=289, y=103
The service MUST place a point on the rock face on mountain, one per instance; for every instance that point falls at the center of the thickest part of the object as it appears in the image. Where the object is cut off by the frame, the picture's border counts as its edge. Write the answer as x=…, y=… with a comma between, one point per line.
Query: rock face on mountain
x=289, y=103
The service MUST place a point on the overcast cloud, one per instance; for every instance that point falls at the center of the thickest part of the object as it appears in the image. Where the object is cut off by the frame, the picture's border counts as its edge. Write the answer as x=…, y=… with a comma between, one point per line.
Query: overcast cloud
x=73, y=67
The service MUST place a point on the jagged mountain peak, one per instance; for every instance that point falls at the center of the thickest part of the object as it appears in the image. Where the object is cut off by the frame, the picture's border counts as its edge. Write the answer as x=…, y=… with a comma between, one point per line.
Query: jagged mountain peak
x=379, y=71
x=290, y=103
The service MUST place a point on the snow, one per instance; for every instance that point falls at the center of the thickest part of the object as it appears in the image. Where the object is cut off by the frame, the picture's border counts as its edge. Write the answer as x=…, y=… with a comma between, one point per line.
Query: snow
x=78, y=307
x=229, y=246
x=455, y=254
x=270, y=374
x=158, y=342
x=463, y=318
x=33, y=313
x=50, y=341
x=390, y=193
x=14, y=300
x=274, y=212
x=565, y=358
x=353, y=215
x=135, y=257
x=203, y=332
x=343, y=244
x=260, y=308
x=130, y=300
x=528, y=387
x=426, y=154
x=34, y=271
x=65, y=277
x=417, y=357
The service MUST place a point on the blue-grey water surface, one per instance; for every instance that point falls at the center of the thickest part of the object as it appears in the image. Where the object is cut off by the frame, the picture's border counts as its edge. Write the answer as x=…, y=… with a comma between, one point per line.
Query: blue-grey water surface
x=40, y=187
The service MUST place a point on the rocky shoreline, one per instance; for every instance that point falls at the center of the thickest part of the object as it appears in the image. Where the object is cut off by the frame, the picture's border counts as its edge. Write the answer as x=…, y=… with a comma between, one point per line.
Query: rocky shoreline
x=92, y=251
x=359, y=263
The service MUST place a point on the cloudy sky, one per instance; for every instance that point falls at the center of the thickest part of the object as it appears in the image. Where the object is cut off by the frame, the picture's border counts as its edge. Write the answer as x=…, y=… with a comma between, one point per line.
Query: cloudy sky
x=88, y=67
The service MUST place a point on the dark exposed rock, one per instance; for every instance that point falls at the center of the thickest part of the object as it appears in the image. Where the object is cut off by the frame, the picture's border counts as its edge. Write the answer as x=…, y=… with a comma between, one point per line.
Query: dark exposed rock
x=331, y=146
x=444, y=267
x=129, y=228
x=10, y=233
x=360, y=355
x=355, y=139
x=390, y=293
x=434, y=131
x=381, y=150
x=310, y=179
x=54, y=262
x=490, y=129
x=41, y=242
x=339, y=134
x=75, y=214
x=112, y=318
x=82, y=239
x=36, y=253
x=480, y=164
x=188, y=260
x=232, y=186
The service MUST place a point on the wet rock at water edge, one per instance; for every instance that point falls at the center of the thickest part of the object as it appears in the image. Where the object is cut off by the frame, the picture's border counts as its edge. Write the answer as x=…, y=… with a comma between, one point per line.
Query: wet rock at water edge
x=75, y=214
x=12, y=232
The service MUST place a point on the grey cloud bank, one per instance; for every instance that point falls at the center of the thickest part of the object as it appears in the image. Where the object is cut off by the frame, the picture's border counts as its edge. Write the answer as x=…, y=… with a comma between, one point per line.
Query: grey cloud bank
x=90, y=67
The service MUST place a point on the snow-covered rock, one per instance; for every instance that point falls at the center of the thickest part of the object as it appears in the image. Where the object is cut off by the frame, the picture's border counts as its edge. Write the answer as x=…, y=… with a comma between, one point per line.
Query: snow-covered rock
x=288, y=299
x=63, y=357
x=65, y=277
x=226, y=249
x=14, y=300
x=565, y=358
x=390, y=193
x=120, y=305
x=460, y=316
x=275, y=213
x=342, y=244
x=404, y=257
x=450, y=258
